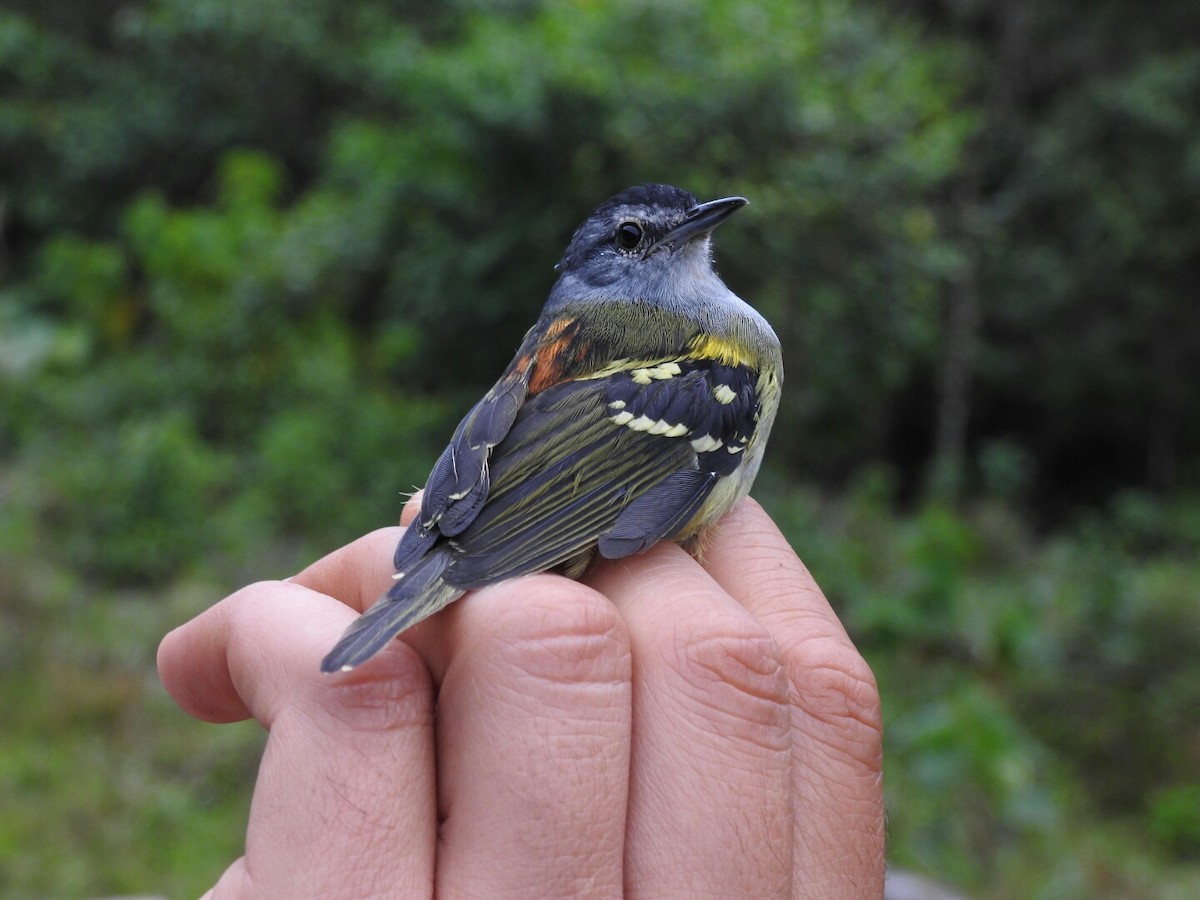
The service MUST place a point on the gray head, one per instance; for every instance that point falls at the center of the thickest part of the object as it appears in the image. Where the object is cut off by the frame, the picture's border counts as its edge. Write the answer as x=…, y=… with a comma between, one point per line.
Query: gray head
x=649, y=242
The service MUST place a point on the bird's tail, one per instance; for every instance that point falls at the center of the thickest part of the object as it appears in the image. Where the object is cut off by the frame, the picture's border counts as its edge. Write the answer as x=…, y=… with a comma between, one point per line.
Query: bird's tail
x=418, y=594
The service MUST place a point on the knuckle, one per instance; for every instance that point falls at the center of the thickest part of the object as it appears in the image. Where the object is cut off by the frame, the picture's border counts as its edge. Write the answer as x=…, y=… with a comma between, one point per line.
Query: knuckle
x=559, y=631
x=836, y=689
x=736, y=673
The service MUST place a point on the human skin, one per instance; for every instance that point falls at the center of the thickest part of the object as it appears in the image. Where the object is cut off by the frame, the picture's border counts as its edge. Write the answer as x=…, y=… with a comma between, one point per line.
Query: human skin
x=664, y=728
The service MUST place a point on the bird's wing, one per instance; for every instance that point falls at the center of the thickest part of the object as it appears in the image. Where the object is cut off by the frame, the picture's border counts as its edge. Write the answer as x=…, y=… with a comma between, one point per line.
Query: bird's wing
x=458, y=484
x=624, y=459
x=460, y=481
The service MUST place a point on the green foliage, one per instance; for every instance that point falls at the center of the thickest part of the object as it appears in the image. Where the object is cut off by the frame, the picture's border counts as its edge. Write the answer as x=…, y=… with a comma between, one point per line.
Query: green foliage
x=1175, y=819
x=255, y=290
x=106, y=788
x=442, y=165
x=201, y=380
x=1032, y=690
x=152, y=505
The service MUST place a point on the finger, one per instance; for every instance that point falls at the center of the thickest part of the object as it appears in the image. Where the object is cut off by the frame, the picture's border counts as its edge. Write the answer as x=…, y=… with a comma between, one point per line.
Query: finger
x=412, y=506
x=836, y=723
x=361, y=571
x=710, y=783
x=533, y=743
x=358, y=573
x=347, y=778
x=193, y=659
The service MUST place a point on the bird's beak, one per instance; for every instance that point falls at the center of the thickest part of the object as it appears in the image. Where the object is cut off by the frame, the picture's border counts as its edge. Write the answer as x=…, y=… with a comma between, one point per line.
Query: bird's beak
x=699, y=220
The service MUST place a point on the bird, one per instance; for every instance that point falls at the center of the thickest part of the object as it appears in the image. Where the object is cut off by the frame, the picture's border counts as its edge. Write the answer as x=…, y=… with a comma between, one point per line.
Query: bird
x=636, y=409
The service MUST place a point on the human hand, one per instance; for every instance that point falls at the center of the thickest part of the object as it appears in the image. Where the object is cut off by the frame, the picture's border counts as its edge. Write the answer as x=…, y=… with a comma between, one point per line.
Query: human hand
x=666, y=729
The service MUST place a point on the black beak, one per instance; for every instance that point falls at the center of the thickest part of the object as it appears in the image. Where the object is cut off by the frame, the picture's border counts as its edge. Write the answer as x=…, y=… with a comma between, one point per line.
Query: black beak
x=699, y=220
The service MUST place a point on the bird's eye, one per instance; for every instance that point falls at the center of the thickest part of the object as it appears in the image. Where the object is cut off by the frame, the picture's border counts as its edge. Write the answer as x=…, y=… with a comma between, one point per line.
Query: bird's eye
x=629, y=234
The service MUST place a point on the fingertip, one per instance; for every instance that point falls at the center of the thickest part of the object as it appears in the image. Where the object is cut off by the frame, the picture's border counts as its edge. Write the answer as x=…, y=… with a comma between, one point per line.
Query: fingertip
x=235, y=659
x=193, y=669
x=356, y=574
x=750, y=507
x=412, y=506
x=657, y=571
x=527, y=613
x=166, y=660
x=749, y=523
x=537, y=609
x=747, y=544
x=278, y=634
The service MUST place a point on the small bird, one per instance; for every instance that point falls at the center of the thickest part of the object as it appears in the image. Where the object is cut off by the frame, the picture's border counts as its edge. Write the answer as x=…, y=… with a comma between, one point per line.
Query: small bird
x=636, y=410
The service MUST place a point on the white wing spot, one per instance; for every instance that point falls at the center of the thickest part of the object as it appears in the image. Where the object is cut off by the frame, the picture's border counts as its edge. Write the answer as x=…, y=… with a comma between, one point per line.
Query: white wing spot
x=667, y=429
x=724, y=394
x=648, y=425
x=661, y=372
x=705, y=444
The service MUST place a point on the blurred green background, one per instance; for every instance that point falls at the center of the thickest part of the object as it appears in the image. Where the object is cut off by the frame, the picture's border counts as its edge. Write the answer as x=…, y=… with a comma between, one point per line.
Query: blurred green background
x=258, y=257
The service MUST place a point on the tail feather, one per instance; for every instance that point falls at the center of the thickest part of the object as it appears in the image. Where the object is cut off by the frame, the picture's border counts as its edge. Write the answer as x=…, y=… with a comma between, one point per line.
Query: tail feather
x=419, y=594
